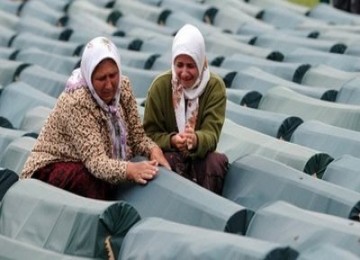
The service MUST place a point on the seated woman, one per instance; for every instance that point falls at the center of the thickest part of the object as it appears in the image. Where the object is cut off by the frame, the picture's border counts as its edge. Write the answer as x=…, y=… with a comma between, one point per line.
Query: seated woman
x=185, y=112
x=94, y=130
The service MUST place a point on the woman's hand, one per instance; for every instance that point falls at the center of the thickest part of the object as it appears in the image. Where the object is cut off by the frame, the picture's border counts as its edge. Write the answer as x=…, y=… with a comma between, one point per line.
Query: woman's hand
x=141, y=172
x=157, y=154
x=191, y=138
x=185, y=141
x=178, y=141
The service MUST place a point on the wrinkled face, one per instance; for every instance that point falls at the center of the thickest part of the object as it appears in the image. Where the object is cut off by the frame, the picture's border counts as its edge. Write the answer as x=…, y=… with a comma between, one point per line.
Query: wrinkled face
x=186, y=70
x=105, y=80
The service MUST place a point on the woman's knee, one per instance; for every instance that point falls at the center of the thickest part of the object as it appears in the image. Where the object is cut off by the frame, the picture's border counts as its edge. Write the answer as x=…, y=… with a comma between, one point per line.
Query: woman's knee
x=218, y=162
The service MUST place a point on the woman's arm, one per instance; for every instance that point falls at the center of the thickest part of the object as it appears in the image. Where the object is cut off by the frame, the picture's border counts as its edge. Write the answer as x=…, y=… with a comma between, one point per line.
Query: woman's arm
x=211, y=117
x=158, y=122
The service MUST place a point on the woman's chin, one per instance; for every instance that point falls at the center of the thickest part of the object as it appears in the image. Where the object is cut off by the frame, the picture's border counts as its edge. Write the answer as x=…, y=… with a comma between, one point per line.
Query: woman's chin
x=187, y=84
x=107, y=100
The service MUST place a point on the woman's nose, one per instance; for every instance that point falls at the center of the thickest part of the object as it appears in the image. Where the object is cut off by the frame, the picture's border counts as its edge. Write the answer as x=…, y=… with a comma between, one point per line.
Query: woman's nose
x=108, y=82
x=184, y=72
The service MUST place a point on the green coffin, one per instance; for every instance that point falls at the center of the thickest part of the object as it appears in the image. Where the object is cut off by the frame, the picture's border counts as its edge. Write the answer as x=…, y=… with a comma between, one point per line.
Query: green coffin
x=44, y=216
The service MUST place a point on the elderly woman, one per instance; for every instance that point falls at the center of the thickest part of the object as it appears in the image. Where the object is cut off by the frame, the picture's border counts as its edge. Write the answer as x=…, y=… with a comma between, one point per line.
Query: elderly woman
x=185, y=112
x=94, y=130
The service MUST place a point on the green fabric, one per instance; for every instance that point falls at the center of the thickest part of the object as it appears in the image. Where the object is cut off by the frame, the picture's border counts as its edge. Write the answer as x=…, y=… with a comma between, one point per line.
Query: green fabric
x=140, y=79
x=328, y=76
x=237, y=141
x=274, y=124
x=34, y=119
x=344, y=171
x=333, y=140
x=343, y=64
x=7, y=179
x=305, y=230
x=349, y=92
x=23, y=97
x=160, y=121
x=288, y=126
x=8, y=69
x=17, y=250
x=226, y=45
x=51, y=61
x=287, y=43
x=172, y=197
x=44, y=216
x=254, y=181
x=281, y=17
x=256, y=79
x=326, y=252
x=317, y=164
x=7, y=135
x=47, y=81
x=4, y=122
x=16, y=153
x=244, y=97
x=337, y=13
x=284, y=71
x=170, y=240
x=283, y=100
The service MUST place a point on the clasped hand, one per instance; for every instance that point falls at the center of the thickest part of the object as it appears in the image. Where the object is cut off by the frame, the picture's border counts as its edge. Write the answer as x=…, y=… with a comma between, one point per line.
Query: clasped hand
x=185, y=141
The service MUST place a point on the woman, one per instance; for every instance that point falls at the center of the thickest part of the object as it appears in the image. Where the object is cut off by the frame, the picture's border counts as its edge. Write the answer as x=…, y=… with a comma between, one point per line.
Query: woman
x=94, y=130
x=185, y=112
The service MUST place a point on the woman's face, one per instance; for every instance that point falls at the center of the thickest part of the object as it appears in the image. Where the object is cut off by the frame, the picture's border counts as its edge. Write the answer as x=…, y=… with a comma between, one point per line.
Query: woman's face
x=105, y=80
x=186, y=70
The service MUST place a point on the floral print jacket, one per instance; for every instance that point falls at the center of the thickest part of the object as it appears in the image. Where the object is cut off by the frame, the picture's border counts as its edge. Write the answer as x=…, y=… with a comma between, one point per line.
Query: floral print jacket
x=77, y=131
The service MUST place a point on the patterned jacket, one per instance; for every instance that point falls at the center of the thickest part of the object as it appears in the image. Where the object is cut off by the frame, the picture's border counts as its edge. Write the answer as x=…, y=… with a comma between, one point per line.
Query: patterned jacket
x=77, y=131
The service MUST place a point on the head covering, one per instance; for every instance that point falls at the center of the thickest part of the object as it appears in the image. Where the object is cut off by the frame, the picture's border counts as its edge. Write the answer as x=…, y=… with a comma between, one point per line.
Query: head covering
x=95, y=51
x=189, y=41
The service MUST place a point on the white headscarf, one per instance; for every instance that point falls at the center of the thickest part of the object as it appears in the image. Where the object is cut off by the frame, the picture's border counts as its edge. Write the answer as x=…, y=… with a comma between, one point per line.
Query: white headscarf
x=189, y=41
x=95, y=51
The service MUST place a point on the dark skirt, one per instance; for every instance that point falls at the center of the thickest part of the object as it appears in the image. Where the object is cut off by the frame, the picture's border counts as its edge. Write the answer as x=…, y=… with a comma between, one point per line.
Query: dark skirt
x=209, y=172
x=74, y=177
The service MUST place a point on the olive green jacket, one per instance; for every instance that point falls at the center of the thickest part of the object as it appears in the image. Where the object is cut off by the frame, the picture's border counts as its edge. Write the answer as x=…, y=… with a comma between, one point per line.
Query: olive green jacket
x=159, y=116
